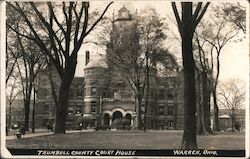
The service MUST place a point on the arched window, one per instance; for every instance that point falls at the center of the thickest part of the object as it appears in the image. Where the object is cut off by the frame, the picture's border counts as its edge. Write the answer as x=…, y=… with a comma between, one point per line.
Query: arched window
x=93, y=91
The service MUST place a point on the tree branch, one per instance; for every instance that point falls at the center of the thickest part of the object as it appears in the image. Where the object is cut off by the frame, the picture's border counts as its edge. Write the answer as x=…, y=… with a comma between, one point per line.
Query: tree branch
x=198, y=19
x=177, y=17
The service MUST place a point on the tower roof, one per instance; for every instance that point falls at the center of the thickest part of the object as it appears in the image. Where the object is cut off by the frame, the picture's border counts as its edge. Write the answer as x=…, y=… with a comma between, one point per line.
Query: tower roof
x=123, y=9
x=98, y=62
x=225, y=116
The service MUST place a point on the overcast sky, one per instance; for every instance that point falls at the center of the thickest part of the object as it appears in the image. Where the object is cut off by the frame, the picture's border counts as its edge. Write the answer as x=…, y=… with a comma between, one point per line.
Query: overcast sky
x=234, y=57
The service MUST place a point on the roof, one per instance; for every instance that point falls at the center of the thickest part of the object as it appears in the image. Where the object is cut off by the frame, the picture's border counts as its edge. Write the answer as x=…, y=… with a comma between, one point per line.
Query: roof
x=97, y=62
x=123, y=9
x=225, y=116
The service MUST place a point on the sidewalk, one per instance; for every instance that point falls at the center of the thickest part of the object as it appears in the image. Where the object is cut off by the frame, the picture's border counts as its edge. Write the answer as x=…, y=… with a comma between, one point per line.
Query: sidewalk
x=42, y=133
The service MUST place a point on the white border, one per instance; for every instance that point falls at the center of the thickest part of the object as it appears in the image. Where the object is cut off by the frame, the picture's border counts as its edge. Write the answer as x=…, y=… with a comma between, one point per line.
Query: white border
x=247, y=112
x=4, y=151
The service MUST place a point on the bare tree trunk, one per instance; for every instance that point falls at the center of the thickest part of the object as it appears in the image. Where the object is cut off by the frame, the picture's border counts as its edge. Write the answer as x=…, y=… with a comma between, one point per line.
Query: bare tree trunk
x=33, y=111
x=186, y=27
x=209, y=108
x=53, y=89
x=233, y=118
x=26, y=113
x=61, y=111
x=27, y=104
x=206, y=107
x=146, y=107
x=189, y=136
x=139, y=101
x=199, y=108
x=147, y=92
x=216, y=112
x=9, y=120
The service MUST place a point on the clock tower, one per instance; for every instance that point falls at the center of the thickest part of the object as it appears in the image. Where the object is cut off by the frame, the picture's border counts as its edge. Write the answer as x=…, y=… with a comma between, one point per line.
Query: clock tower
x=124, y=13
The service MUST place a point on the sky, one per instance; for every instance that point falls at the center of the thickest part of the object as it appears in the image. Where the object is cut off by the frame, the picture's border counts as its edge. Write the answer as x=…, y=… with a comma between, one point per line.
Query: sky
x=234, y=56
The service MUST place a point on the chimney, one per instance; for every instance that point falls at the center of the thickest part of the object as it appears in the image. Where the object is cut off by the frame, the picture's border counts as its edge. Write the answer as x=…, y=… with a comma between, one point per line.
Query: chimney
x=87, y=58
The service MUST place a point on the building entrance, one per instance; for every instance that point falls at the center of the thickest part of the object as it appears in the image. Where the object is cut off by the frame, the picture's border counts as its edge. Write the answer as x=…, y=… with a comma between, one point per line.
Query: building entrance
x=106, y=119
x=116, y=118
x=117, y=115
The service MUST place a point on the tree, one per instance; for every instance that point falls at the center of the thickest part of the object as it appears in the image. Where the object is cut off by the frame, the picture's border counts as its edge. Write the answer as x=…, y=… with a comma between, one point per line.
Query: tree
x=232, y=95
x=32, y=61
x=152, y=37
x=187, y=26
x=204, y=80
x=11, y=59
x=12, y=45
x=123, y=56
x=234, y=13
x=136, y=52
x=215, y=35
x=64, y=34
x=12, y=92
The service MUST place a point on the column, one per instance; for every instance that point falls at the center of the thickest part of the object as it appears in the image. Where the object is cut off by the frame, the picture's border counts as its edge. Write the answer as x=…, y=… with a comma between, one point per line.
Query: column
x=132, y=122
x=110, y=121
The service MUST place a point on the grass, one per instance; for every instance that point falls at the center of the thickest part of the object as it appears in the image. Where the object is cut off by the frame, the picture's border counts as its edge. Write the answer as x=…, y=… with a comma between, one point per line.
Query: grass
x=128, y=140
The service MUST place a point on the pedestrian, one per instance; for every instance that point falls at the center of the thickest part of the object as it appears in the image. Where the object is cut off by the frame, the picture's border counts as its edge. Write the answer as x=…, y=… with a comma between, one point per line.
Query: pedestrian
x=81, y=125
x=22, y=130
x=237, y=126
x=49, y=127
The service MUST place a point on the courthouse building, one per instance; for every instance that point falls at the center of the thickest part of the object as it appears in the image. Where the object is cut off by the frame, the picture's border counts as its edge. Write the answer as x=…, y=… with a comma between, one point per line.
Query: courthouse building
x=103, y=97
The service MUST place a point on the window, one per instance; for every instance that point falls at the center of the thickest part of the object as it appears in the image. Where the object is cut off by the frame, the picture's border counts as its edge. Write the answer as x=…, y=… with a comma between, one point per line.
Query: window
x=78, y=109
x=161, y=123
x=170, y=110
x=170, y=94
x=70, y=110
x=170, y=124
x=161, y=94
x=93, y=91
x=170, y=97
x=93, y=107
x=79, y=91
x=151, y=109
x=117, y=95
x=161, y=109
x=108, y=93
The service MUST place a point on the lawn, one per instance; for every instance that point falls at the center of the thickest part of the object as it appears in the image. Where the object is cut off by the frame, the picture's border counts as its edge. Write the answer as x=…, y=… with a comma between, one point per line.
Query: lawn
x=128, y=140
